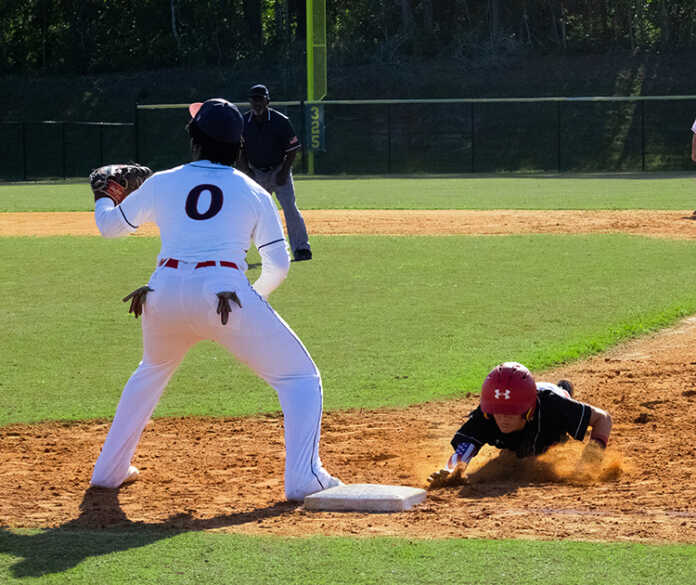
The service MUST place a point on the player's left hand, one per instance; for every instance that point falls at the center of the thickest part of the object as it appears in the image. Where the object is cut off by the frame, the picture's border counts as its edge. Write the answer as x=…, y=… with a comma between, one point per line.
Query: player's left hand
x=117, y=181
x=590, y=462
x=593, y=453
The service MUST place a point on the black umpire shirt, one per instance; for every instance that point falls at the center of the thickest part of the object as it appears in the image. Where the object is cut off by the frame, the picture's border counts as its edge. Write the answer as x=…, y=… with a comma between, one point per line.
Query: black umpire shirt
x=554, y=417
x=267, y=142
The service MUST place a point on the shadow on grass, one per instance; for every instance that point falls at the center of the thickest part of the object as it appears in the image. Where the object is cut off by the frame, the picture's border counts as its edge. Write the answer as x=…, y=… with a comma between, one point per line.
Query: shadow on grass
x=102, y=528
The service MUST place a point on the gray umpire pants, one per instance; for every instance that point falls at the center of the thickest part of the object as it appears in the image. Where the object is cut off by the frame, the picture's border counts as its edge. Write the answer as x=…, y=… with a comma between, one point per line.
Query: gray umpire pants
x=297, y=232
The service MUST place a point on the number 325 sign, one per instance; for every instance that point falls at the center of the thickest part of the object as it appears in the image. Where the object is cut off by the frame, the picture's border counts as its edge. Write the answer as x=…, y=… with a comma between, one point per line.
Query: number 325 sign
x=316, y=130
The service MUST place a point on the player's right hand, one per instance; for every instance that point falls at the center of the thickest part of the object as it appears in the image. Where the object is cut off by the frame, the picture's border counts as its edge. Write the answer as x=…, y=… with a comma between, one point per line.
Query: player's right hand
x=438, y=479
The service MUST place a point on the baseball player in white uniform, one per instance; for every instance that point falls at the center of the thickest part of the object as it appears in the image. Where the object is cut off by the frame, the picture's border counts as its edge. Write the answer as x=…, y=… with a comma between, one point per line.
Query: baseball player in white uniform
x=693, y=142
x=207, y=213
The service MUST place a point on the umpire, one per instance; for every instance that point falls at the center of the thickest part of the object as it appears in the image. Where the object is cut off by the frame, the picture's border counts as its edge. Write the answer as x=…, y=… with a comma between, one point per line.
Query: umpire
x=270, y=147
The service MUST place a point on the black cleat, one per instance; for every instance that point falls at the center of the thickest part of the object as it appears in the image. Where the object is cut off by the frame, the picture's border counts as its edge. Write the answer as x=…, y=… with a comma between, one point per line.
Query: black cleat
x=303, y=255
x=567, y=385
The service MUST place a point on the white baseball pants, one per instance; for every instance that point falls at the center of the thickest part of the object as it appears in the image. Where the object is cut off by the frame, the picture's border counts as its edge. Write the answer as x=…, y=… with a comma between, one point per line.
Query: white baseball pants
x=180, y=312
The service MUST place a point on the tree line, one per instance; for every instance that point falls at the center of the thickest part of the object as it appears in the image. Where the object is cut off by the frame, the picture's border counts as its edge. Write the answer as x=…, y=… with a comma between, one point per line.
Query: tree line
x=96, y=36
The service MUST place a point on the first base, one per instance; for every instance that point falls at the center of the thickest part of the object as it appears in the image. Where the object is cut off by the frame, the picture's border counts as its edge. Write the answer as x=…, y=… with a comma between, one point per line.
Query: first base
x=365, y=497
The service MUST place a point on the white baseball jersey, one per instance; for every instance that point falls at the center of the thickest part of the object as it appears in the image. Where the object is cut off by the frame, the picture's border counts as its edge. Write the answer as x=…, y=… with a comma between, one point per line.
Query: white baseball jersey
x=693, y=127
x=207, y=213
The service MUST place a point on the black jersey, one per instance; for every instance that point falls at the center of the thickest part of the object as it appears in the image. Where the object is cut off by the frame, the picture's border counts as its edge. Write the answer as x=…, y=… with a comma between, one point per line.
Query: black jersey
x=554, y=418
x=268, y=140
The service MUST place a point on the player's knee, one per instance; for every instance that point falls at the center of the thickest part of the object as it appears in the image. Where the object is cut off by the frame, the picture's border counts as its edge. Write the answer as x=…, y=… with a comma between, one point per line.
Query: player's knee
x=310, y=381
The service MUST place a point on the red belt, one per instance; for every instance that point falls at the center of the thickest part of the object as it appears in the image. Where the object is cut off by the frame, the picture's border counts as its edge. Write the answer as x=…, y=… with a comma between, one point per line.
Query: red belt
x=173, y=263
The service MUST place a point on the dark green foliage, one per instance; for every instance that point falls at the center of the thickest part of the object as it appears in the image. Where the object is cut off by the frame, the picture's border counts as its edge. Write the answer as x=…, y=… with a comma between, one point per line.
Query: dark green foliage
x=90, y=36
x=94, y=36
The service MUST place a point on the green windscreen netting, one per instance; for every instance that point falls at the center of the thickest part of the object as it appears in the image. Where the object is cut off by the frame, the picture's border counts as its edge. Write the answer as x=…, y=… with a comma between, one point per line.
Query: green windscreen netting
x=393, y=137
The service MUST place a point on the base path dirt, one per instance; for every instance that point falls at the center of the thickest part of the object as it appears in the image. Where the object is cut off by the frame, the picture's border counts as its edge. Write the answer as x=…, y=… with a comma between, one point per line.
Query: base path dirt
x=671, y=224
x=226, y=474
x=199, y=473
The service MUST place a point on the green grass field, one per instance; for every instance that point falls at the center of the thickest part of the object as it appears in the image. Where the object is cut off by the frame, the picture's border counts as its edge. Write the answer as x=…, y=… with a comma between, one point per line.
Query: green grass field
x=628, y=191
x=439, y=310
x=146, y=556
x=387, y=325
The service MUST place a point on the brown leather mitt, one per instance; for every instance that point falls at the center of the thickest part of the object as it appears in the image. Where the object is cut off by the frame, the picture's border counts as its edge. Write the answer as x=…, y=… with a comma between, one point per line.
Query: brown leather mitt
x=117, y=181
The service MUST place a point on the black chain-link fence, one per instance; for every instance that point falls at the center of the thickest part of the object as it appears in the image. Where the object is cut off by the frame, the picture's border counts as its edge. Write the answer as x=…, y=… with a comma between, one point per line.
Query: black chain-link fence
x=482, y=136
x=392, y=137
x=38, y=150
x=162, y=140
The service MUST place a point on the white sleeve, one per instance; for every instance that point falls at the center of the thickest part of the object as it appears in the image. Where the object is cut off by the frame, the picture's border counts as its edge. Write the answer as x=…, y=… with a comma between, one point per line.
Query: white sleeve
x=270, y=241
x=693, y=128
x=275, y=264
x=139, y=207
x=110, y=220
x=121, y=220
x=268, y=229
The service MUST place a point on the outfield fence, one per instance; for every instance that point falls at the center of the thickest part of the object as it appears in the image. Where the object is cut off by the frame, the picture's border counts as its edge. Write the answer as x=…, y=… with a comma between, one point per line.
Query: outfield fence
x=580, y=134
x=54, y=149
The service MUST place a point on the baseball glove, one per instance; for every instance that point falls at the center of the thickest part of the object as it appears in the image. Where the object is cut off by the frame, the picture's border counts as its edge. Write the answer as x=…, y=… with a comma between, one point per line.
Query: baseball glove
x=117, y=181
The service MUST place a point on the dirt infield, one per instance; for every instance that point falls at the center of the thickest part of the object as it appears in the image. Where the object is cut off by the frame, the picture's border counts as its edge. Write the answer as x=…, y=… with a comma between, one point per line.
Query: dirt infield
x=669, y=224
x=226, y=474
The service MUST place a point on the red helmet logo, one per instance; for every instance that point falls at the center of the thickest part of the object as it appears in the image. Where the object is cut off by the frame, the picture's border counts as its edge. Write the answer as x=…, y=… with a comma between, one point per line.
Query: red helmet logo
x=508, y=389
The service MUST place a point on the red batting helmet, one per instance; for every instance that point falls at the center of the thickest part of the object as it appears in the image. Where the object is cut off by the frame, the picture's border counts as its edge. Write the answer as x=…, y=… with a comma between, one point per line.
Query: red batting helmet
x=509, y=389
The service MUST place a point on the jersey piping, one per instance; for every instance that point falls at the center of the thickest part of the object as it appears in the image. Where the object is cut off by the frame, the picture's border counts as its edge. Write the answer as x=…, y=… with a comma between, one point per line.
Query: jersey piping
x=538, y=430
x=135, y=227
x=582, y=418
x=213, y=166
x=269, y=243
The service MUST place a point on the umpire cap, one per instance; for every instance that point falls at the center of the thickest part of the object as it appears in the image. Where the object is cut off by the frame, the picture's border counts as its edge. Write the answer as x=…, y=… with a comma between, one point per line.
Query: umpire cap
x=259, y=91
x=218, y=119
